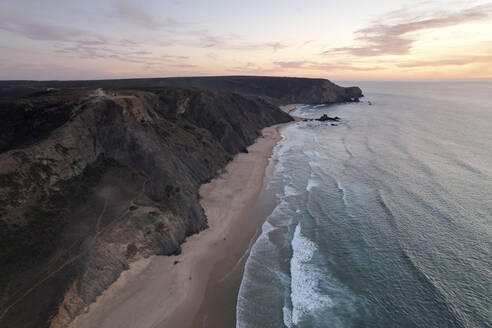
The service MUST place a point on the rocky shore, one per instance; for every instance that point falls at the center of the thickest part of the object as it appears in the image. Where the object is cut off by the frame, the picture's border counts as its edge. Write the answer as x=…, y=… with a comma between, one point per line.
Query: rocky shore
x=95, y=175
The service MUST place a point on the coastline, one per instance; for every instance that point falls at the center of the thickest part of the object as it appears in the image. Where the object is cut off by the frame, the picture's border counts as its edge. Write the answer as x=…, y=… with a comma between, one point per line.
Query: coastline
x=184, y=290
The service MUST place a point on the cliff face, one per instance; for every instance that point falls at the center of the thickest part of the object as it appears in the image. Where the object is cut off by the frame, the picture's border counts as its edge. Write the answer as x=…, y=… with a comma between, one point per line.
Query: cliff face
x=93, y=179
x=278, y=90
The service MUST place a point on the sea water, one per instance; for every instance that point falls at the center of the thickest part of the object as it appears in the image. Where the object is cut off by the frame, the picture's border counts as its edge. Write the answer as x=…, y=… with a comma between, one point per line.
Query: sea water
x=384, y=220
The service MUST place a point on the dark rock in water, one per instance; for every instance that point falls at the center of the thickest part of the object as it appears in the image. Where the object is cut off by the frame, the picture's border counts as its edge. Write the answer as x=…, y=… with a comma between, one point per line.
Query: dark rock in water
x=369, y=103
x=325, y=117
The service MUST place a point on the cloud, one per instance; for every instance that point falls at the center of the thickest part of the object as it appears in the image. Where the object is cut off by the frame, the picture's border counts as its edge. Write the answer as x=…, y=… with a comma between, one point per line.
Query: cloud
x=119, y=53
x=291, y=64
x=282, y=66
x=453, y=61
x=79, y=43
x=248, y=65
x=206, y=39
x=247, y=46
x=275, y=45
x=138, y=15
x=182, y=65
x=305, y=43
x=252, y=68
x=69, y=42
x=393, y=39
x=361, y=66
x=212, y=55
x=35, y=30
x=28, y=70
x=325, y=66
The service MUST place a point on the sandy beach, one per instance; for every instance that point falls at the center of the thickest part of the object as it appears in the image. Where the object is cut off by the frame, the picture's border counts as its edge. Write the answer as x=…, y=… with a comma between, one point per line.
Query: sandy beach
x=290, y=107
x=197, y=288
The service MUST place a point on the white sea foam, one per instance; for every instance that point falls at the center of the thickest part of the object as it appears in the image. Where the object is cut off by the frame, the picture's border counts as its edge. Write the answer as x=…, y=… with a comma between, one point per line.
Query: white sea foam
x=312, y=183
x=281, y=209
x=287, y=315
x=266, y=227
x=283, y=149
x=280, y=149
x=291, y=191
x=309, y=153
x=305, y=294
x=344, y=195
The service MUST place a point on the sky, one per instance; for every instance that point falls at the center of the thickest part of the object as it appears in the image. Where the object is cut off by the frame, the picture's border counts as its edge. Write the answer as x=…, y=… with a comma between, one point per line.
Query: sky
x=340, y=40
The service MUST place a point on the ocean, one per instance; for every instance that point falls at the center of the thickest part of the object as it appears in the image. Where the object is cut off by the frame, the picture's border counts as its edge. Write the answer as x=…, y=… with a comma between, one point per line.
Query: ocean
x=384, y=220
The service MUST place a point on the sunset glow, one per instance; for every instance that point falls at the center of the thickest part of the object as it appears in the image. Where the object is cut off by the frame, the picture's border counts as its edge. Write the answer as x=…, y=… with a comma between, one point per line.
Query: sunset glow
x=351, y=40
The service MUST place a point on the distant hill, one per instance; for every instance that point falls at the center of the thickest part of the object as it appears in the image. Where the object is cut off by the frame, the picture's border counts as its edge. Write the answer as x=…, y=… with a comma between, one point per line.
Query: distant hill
x=279, y=90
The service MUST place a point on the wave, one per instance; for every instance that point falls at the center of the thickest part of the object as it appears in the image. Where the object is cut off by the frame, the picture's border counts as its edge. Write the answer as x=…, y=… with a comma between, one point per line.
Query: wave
x=305, y=295
x=312, y=183
x=342, y=190
x=290, y=190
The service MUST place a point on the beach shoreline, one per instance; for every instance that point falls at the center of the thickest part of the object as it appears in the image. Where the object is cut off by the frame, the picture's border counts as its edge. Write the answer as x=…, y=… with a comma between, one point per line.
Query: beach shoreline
x=202, y=282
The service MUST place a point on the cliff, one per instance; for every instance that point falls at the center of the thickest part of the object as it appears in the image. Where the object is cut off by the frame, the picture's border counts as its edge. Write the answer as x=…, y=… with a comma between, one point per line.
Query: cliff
x=92, y=179
x=278, y=90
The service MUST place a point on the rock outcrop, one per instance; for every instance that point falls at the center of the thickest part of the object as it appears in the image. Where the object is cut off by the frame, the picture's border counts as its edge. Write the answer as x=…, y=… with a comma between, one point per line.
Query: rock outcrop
x=91, y=180
x=323, y=118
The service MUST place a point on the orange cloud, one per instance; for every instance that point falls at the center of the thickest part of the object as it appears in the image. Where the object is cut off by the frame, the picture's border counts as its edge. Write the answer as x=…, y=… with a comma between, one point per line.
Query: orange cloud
x=379, y=39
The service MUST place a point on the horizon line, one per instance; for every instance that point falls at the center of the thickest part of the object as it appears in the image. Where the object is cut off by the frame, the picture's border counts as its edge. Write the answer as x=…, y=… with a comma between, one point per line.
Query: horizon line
x=471, y=79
